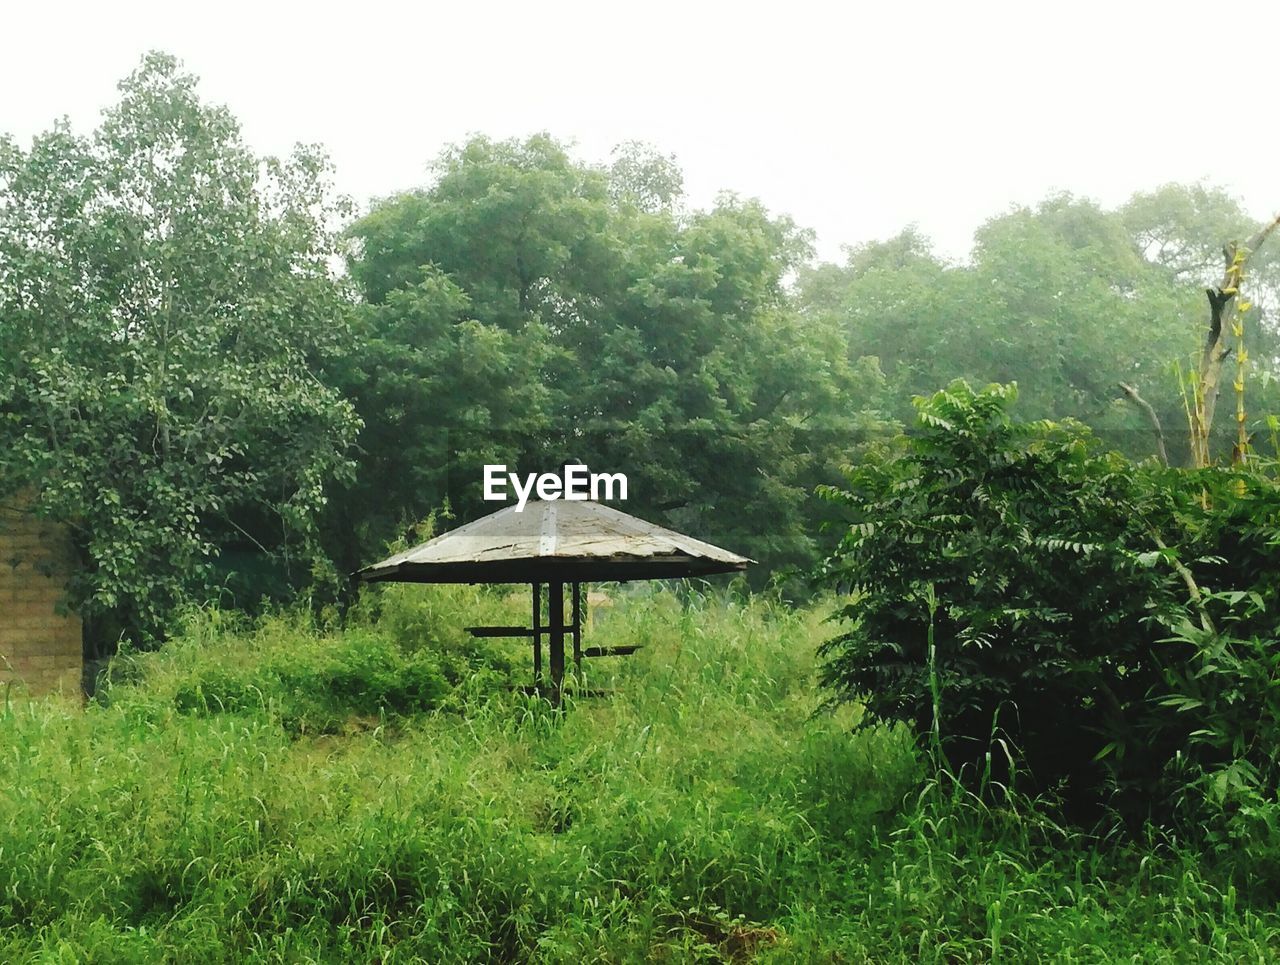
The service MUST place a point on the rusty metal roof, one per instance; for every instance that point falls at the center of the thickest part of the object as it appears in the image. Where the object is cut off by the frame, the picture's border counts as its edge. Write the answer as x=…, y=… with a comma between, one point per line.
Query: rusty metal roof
x=555, y=540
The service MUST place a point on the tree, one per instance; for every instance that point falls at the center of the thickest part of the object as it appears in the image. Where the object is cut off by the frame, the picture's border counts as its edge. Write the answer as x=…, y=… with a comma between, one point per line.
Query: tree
x=440, y=394
x=165, y=303
x=503, y=219
x=1181, y=230
x=622, y=330
x=641, y=176
x=1227, y=310
x=465, y=286
x=1067, y=299
x=697, y=374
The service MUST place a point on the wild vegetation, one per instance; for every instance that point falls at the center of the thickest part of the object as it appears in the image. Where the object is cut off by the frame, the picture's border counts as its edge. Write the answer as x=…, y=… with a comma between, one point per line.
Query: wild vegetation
x=1006, y=692
x=1029, y=602
x=279, y=791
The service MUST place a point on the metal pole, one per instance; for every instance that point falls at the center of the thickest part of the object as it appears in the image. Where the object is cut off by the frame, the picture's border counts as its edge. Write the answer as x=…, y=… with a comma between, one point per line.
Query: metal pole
x=537, y=635
x=555, y=616
x=577, y=629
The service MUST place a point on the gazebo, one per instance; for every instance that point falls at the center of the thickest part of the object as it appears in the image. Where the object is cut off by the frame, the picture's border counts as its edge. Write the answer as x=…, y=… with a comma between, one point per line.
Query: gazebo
x=555, y=542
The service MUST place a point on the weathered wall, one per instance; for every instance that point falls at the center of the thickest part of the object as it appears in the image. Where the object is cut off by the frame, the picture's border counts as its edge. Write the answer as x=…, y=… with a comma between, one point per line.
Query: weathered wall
x=39, y=647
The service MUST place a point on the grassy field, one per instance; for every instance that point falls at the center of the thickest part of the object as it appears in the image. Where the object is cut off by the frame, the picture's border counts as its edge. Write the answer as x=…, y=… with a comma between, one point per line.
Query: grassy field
x=284, y=792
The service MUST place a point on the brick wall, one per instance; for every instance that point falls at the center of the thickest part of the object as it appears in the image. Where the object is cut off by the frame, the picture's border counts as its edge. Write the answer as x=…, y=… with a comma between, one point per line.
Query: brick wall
x=39, y=647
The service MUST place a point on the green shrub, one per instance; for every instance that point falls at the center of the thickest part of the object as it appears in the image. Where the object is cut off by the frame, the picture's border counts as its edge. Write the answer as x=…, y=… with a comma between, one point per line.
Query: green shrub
x=1223, y=665
x=1016, y=588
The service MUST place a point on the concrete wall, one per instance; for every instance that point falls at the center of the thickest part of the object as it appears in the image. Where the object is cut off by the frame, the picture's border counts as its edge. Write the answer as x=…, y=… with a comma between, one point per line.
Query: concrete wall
x=39, y=647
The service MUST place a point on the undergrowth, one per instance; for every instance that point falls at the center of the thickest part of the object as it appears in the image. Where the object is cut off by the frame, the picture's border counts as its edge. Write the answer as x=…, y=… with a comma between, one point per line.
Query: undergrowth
x=288, y=792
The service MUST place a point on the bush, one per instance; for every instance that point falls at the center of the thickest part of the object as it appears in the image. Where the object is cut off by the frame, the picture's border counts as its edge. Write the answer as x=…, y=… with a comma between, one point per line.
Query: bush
x=1016, y=589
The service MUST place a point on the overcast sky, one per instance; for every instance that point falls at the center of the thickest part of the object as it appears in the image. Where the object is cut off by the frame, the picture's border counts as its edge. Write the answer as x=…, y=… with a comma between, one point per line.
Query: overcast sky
x=854, y=121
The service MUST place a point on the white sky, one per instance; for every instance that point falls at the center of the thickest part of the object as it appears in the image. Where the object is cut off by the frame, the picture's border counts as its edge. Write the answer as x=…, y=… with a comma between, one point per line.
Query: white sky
x=855, y=121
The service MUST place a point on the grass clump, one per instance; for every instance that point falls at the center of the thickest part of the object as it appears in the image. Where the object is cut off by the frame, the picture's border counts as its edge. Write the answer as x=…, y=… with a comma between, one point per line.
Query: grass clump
x=286, y=666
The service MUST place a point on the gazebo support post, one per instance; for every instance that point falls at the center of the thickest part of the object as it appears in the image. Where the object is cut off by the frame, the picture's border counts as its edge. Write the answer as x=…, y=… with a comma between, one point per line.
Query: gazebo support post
x=555, y=617
x=577, y=629
x=537, y=636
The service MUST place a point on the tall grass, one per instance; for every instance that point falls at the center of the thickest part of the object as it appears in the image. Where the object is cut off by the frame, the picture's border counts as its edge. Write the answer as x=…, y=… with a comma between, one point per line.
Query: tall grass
x=284, y=792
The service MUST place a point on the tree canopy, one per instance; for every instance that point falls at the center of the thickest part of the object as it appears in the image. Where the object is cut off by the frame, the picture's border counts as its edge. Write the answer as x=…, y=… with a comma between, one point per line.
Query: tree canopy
x=1066, y=299
x=166, y=303
x=593, y=318
x=208, y=361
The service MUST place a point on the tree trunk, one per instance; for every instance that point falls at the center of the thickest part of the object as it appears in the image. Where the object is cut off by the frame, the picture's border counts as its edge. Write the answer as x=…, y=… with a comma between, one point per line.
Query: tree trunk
x=1223, y=309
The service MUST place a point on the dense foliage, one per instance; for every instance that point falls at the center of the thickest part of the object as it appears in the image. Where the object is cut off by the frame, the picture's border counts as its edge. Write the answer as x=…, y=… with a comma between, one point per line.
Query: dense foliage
x=165, y=298
x=1066, y=299
x=184, y=365
x=1031, y=601
x=530, y=309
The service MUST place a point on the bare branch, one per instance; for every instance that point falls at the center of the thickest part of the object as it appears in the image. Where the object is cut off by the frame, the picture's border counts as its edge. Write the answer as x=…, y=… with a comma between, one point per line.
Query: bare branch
x=1154, y=419
x=1262, y=235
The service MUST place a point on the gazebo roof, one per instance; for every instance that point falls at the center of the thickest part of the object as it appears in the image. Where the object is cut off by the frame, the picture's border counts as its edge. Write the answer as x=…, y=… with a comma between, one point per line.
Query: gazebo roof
x=556, y=540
